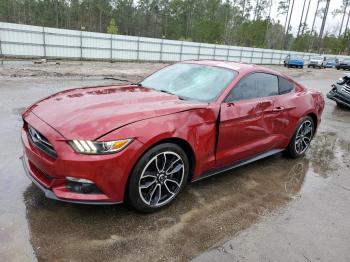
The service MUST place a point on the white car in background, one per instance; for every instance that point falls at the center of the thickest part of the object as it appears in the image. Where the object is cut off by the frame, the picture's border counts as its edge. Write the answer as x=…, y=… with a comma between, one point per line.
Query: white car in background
x=317, y=62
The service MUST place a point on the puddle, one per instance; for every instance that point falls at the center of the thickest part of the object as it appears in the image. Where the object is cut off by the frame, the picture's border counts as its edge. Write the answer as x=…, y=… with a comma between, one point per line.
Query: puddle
x=205, y=213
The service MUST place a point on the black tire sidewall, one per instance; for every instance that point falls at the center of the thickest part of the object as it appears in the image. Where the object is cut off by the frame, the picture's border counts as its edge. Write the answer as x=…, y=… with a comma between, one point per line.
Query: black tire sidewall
x=133, y=195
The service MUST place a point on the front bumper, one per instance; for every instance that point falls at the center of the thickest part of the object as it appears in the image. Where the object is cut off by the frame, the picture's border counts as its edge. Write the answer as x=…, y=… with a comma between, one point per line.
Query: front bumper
x=50, y=194
x=343, y=67
x=314, y=65
x=109, y=173
x=339, y=98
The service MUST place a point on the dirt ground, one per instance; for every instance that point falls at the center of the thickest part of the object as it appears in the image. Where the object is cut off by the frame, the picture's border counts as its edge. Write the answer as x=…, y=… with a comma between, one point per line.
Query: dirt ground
x=276, y=209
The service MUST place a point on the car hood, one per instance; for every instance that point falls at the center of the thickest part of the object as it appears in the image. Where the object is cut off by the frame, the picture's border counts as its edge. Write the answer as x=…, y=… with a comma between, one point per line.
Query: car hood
x=89, y=113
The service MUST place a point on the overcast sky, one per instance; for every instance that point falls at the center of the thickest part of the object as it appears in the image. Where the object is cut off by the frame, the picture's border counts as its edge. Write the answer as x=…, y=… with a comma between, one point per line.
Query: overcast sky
x=332, y=23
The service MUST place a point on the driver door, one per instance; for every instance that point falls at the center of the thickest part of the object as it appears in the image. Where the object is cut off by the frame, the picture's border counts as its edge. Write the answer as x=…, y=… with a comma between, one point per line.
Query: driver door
x=245, y=129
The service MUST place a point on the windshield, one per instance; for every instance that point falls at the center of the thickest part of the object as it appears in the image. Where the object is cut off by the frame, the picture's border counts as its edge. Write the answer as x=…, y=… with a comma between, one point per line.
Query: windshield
x=191, y=81
x=296, y=58
x=317, y=58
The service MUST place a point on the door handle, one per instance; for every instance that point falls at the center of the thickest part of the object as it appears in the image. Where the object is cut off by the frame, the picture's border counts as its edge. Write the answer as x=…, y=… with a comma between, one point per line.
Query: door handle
x=278, y=109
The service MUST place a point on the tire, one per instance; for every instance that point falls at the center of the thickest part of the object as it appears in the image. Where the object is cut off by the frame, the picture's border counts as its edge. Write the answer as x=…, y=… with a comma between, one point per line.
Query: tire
x=157, y=189
x=288, y=66
x=308, y=66
x=298, y=146
x=340, y=105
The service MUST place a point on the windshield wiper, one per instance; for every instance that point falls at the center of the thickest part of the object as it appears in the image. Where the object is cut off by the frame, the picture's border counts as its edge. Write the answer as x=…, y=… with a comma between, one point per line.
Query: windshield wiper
x=170, y=93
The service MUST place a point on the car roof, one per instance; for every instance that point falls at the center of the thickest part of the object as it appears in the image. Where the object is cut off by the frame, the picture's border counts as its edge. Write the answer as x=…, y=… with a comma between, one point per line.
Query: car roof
x=240, y=67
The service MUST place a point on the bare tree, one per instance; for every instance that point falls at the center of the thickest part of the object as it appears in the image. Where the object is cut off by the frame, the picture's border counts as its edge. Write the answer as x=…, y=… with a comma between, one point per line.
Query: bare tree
x=283, y=8
x=301, y=19
x=345, y=6
x=347, y=22
x=268, y=21
x=306, y=15
x=324, y=18
x=290, y=16
x=313, y=23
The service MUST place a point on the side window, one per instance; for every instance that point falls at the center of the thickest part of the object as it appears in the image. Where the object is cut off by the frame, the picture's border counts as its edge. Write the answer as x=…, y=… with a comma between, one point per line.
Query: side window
x=244, y=89
x=267, y=84
x=253, y=86
x=285, y=86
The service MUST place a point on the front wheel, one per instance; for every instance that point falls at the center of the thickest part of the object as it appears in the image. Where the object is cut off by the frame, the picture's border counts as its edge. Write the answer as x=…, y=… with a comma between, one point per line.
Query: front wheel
x=158, y=177
x=302, y=138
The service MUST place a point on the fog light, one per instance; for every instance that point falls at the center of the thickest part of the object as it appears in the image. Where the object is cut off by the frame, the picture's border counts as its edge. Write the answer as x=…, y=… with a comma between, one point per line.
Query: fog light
x=82, y=186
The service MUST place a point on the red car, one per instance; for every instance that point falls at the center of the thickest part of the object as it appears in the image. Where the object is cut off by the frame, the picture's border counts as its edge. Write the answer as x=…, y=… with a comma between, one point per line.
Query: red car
x=143, y=142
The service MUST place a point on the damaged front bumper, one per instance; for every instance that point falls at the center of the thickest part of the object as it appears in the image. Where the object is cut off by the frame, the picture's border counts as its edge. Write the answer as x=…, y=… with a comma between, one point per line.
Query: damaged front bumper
x=338, y=97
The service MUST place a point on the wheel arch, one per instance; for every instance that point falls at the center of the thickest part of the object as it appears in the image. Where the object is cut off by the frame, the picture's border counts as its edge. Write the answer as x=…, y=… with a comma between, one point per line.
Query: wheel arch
x=314, y=119
x=187, y=148
x=185, y=145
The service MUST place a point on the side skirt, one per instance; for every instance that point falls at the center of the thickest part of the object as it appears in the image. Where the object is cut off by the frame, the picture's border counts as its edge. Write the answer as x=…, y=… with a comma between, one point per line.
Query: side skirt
x=237, y=164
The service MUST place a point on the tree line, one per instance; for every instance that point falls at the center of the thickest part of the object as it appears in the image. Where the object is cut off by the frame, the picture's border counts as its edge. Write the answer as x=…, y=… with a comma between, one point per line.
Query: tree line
x=231, y=22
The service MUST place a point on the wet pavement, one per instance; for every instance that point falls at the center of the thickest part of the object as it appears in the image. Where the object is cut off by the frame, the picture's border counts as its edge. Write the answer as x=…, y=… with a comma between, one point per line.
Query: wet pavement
x=271, y=210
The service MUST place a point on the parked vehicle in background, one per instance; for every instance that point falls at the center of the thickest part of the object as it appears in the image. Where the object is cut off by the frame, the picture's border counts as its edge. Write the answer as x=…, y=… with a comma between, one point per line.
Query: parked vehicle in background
x=317, y=62
x=297, y=62
x=345, y=64
x=285, y=61
x=331, y=63
x=340, y=92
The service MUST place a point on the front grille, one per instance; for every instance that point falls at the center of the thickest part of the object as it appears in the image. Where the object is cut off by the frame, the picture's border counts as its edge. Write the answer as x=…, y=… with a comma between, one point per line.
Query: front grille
x=346, y=89
x=41, y=142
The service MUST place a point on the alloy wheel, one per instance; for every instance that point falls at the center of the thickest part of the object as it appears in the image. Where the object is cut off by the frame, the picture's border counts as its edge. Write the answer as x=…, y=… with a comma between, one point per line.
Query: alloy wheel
x=161, y=179
x=303, y=137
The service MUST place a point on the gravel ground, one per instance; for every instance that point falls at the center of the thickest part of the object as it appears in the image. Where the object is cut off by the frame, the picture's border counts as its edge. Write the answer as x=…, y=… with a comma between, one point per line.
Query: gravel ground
x=271, y=210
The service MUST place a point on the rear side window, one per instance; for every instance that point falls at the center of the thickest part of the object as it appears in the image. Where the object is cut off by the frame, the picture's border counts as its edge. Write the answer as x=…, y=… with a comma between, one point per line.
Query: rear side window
x=285, y=86
x=254, y=86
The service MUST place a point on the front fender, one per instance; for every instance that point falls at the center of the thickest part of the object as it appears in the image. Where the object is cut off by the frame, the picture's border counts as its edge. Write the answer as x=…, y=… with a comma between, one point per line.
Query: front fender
x=196, y=126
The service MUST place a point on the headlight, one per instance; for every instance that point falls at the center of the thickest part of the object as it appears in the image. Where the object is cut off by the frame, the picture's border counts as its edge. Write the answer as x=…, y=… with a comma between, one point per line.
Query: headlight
x=97, y=147
x=341, y=81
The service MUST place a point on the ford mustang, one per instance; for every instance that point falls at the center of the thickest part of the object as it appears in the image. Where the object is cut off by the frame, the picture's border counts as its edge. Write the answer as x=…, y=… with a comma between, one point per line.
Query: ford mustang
x=143, y=142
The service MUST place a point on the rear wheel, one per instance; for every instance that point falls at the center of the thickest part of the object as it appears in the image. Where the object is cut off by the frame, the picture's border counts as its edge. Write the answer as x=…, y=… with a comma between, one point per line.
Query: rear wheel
x=302, y=138
x=158, y=177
